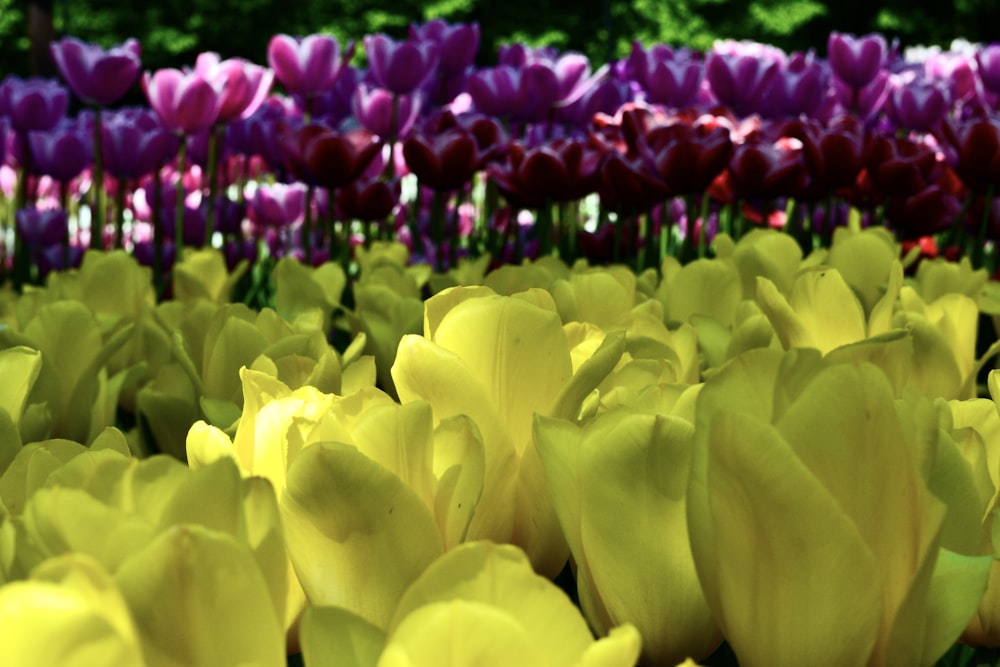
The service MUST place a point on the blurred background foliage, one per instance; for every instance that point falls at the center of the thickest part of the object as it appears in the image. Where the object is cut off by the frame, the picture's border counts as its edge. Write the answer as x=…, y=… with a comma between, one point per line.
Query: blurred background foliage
x=173, y=32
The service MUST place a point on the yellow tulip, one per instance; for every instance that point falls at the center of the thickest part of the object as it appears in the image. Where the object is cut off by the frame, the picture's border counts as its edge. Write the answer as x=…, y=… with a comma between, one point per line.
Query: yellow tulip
x=619, y=487
x=202, y=274
x=809, y=510
x=499, y=360
x=479, y=604
x=69, y=613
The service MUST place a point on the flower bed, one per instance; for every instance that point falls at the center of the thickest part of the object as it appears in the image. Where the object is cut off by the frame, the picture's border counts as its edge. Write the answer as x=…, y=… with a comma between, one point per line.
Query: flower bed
x=359, y=387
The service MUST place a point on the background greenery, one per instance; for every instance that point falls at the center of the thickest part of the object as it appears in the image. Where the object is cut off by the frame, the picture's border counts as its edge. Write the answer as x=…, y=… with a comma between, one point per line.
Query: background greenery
x=172, y=32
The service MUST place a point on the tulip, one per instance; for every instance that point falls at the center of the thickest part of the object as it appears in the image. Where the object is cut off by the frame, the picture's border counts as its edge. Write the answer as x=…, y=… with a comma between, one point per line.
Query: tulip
x=135, y=144
x=308, y=66
x=70, y=612
x=60, y=153
x=474, y=359
x=856, y=61
x=400, y=67
x=669, y=77
x=496, y=612
x=336, y=159
x=822, y=474
x=277, y=204
x=457, y=43
x=382, y=112
x=739, y=81
x=637, y=568
x=34, y=104
x=186, y=102
x=96, y=75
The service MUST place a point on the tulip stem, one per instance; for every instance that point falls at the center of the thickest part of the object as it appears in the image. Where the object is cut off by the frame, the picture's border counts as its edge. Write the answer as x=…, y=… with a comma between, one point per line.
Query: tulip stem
x=437, y=228
x=120, y=213
x=214, y=138
x=307, y=226
x=64, y=241
x=97, y=219
x=543, y=227
x=978, y=250
x=158, y=232
x=179, y=203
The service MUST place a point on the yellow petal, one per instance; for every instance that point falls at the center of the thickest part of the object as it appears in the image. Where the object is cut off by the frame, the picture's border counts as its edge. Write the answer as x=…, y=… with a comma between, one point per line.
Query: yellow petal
x=356, y=534
x=335, y=636
x=199, y=599
x=781, y=562
x=459, y=469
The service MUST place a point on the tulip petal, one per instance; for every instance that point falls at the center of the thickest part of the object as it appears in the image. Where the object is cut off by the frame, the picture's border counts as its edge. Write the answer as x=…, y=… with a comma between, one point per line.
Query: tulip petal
x=356, y=534
x=335, y=636
x=199, y=599
x=460, y=468
x=620, y=648
x=779, y=549
x=501, y=576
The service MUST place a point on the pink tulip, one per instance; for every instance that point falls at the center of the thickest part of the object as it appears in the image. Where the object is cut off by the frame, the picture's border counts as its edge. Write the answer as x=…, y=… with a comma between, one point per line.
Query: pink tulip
x=186, y=102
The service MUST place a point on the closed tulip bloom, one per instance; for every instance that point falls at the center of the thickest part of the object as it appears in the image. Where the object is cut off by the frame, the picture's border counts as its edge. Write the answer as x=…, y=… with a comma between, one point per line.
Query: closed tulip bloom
x=918, y=105
x=33, y=104
x=457, y=43
x=386, y=114
x=815, y=529
x=306, y=66
x=335, y=159
x=42, y=227
x=988, y=66
x=442, y=161
x=61, y=153
x=740, y=80
x=186, y=102
x=277, y=204
x=96, y=75
x=401, y=67
x=857, y=60
x=243, y=84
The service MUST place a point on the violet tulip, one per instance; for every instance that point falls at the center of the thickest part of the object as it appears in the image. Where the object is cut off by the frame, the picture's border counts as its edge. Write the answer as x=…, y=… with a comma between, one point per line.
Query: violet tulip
x=740, y=80
x=988, y=67
x=856, y=61
x=243, y=85
x=400, y=66
x=96, y=75
x=457, y=43
x=918, y=105
x=671, y=78
x=42, y=227
x=33, y=104
x=136, y=143
x=61, y=153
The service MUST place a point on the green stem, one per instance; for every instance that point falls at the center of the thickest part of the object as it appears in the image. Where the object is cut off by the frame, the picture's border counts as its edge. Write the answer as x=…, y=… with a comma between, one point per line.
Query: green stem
x=543, y=227
x=307, y=225
x=979, y=249
x=120, y=214
x=214, y=139
x=98, y=217
x=179, y=203
x=437, y=228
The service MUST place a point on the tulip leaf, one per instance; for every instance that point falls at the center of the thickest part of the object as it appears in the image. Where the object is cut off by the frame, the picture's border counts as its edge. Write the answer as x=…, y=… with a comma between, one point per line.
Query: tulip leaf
x=357, y=535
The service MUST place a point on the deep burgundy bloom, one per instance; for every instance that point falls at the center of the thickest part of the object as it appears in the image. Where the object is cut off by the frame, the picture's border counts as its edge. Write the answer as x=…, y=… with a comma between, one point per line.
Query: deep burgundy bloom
x=444, y=160
x=978, y=154
x=400, y=66
x=186, y=102
x=766, y=170
x=899, y=167
x=928, y=211
x=561, y=170
x=307, y=66
x=96, y=75
x=629, y=184
x=856, y=60
x=688, y=157
x=368, y=199
x=336, y=159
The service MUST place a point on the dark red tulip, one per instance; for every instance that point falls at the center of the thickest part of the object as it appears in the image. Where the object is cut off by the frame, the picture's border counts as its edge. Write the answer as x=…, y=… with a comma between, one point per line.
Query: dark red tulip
x=443, y=161
x=899, y=167
x=689, y=157
x=561, y=170
x=336, y=159
x=368, y=200
x=977, y=144
x=767, y=170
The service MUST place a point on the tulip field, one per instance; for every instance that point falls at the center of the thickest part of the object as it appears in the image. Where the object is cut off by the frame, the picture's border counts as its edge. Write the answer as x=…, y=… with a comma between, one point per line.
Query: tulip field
x=376, y=357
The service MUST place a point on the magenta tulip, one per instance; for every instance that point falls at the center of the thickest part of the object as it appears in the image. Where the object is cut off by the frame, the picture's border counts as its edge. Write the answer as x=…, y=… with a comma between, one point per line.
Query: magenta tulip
x=186, y=102
x=244, y=85
x=457, y=43
x=384, y=113
x=277, y=204
x=856, y=60
x=96, y=75
x=307, y=66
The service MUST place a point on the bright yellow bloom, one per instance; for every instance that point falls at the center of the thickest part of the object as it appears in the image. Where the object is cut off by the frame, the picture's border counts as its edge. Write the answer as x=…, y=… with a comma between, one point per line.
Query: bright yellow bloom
x=479, y=604
x=809, y=509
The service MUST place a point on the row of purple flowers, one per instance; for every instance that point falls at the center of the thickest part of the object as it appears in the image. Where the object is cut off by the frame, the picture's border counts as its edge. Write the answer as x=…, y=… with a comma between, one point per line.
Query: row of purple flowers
x=677, y=144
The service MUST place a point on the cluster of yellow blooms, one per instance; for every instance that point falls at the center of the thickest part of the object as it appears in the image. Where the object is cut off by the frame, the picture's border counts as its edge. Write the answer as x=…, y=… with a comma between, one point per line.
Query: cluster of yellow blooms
x=790, y=454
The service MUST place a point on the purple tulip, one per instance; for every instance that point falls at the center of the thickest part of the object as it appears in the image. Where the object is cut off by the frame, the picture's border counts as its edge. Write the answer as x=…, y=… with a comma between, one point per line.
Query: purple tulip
x=856, y=61
x=61, y=153
x=988, y=66
x=333, y=107
x=307, y=66
x=400, y=67
x=740, y=80
x=457, y=43
x=186, y=102
x=42, y=227
x=800, y=87
x=373, y=107
x=244, y=85
x=956, y=72
x=33, y=104
x=135, y=143
x=277, y=204
x=494, y=90
x=54, y=258
x=918, y=105
x=866, y=102
x=669, y=78
x=96, y=75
